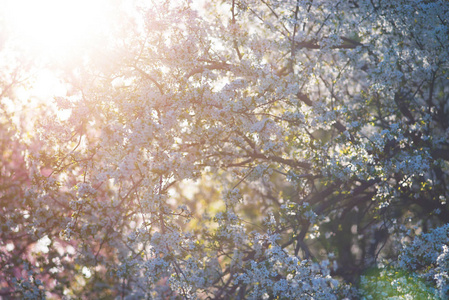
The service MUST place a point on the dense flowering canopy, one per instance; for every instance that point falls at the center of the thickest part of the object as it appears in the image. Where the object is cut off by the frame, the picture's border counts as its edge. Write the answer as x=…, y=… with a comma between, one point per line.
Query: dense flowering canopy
x=254, y=149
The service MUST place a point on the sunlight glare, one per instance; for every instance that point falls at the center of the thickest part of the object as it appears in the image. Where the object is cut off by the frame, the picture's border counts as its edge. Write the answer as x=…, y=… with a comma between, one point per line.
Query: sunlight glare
x=57, y=27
